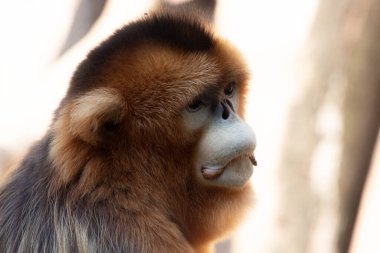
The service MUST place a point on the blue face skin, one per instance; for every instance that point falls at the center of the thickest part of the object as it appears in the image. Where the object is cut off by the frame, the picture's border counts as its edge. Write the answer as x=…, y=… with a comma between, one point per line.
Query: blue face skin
x=225, y=152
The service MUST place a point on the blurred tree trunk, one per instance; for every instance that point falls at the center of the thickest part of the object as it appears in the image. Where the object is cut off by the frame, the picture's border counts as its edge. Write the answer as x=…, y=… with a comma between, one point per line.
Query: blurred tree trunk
x=88, y=11
x=361, y=110
x=332, y=129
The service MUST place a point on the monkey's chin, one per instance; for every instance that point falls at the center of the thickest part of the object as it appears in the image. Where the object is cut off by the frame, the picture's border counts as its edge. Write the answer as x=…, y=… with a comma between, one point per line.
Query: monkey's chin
x=235, y=174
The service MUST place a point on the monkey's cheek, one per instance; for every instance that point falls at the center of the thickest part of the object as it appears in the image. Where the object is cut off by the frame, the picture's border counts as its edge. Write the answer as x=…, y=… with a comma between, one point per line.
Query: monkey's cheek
x=234, y=175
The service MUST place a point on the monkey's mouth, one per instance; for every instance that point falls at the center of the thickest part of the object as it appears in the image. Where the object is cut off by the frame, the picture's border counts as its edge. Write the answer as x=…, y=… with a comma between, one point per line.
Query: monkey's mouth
x=239, y=167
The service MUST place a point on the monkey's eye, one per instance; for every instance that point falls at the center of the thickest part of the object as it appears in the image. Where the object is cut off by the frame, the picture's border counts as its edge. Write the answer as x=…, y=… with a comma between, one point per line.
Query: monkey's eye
x=230, y=89
x=194, y=105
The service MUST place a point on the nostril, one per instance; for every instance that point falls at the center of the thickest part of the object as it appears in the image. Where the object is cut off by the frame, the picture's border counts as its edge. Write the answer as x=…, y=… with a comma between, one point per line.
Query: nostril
x=226, y=111
x=228, y=102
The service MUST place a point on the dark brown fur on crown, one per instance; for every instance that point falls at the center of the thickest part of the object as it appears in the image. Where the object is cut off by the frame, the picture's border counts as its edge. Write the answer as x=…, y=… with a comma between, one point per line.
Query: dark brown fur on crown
x=114, y=172
x=181, y=32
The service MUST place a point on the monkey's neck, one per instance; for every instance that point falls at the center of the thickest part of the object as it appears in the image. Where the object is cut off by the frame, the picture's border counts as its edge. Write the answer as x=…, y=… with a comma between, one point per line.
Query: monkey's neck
x=214, y=212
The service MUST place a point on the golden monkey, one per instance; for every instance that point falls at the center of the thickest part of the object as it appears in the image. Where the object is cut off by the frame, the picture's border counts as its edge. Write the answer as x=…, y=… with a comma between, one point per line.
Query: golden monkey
x=148, y=150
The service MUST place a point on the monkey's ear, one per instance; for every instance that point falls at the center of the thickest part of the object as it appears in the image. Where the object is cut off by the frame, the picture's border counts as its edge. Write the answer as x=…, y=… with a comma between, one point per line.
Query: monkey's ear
x=96, y=115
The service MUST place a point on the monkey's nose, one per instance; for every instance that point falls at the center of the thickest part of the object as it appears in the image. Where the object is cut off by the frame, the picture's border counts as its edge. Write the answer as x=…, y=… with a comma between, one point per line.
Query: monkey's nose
x=228, y=108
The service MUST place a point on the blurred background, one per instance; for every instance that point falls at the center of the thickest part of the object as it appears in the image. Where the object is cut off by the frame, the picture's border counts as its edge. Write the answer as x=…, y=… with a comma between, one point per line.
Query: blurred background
x=314, y=103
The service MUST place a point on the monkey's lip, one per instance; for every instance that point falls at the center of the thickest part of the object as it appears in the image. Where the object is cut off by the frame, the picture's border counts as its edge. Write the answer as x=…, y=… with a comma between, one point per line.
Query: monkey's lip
x=210, y=172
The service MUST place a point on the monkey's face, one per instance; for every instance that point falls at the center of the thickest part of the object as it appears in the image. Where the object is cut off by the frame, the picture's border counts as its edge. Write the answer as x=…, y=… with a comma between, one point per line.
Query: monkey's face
x=152, y=96
x=224, y=155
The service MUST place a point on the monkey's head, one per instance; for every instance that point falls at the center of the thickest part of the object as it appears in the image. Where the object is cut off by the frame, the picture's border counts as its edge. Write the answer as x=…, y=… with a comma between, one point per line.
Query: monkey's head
x=163, y=98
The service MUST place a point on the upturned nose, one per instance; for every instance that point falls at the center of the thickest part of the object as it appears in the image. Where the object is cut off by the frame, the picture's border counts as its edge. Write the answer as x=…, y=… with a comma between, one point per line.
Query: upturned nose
x=228, y=109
